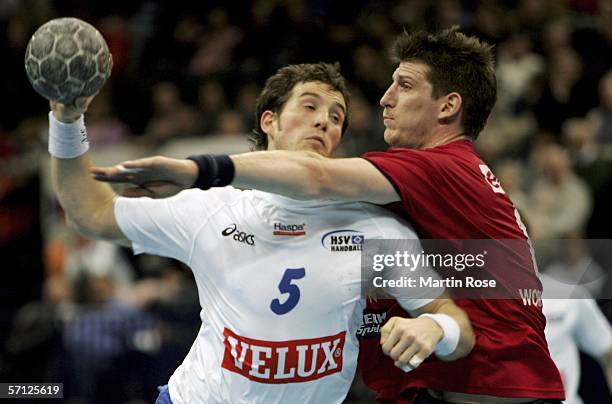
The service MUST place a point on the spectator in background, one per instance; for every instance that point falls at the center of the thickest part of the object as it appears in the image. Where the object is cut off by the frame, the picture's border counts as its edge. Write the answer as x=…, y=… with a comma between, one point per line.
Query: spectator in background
x=364, y=129
x=246, y=101
x=578, y=136
x=511, y=122
x=559, y=201
x=510, y=175
x=602, y=114
x=561, y=96
x=171, y=116
x=215, y=45
x=556, y=36
x=98, y=259
x=230, y=123
x=212, y=101
x=104, y=126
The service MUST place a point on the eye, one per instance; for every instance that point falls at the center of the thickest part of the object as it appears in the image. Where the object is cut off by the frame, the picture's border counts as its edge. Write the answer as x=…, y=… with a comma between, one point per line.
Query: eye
x=335, y=119
x=309, y=106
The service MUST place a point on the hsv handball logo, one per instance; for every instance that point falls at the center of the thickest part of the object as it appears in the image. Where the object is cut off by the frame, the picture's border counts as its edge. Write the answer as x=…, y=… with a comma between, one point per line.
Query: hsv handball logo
x=279, y=362
x=343, y=240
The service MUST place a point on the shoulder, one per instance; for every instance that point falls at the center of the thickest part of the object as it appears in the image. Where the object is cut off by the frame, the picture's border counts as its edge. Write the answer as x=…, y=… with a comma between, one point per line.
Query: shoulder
x=384, y=222
x=225, y=194
x=440, y=157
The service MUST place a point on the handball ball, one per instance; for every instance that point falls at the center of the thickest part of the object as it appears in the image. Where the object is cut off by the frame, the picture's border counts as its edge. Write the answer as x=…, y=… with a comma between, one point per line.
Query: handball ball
x=67, y=58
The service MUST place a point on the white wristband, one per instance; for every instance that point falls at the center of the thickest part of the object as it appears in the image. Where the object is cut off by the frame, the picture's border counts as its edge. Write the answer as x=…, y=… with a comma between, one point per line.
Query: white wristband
x=450, y=340
x=67, y=140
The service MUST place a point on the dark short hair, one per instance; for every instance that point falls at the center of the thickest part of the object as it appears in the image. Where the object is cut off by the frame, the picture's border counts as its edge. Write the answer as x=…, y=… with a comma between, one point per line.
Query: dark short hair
x=278, y=90
x=456, y=62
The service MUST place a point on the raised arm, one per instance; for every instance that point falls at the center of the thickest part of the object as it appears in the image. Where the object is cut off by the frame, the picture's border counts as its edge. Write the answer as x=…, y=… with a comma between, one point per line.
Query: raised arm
x=88, y=204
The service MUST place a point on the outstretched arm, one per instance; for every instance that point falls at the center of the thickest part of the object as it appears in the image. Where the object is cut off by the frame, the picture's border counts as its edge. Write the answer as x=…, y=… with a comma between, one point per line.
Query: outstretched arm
x=89, y=204
x=300, y=175
x=307, y=175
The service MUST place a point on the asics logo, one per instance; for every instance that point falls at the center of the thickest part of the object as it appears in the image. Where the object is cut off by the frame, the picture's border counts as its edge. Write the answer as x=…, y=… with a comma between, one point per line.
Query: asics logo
x=237, y=235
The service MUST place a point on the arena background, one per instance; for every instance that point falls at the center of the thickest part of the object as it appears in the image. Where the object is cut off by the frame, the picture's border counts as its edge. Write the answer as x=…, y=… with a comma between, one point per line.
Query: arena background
x=111, y=326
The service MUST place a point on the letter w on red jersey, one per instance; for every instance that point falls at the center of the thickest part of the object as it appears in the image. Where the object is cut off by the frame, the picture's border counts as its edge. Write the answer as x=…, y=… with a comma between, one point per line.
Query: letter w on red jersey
x=278, y=362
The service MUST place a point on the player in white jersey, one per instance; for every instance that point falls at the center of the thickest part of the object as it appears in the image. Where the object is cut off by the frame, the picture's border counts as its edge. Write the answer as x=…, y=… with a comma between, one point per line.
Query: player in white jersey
x=280, y=308
x=279, y=280
x=574, y=321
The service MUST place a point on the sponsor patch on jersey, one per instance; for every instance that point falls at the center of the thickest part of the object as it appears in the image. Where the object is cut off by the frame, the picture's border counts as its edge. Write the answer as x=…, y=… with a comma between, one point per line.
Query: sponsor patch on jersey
x=280, y=362
x=372, y=320
x=237, y=235
x=282, y=229
x=491, y=179
x=343, y=240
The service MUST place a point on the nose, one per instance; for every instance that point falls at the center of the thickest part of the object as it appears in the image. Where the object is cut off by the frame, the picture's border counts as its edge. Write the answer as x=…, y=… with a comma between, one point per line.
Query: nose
x=388, y=98
x=321, y=120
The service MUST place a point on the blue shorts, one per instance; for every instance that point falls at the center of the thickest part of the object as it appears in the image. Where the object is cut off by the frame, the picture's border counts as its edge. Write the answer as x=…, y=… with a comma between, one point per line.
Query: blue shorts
x=164, y=395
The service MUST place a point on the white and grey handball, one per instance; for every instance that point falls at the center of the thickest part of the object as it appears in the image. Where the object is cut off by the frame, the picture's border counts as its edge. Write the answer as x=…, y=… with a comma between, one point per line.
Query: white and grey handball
x=67, y=58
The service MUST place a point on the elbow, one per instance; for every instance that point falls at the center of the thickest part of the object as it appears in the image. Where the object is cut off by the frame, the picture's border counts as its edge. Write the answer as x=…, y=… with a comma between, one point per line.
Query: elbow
x=96, y=225
x=85, y=228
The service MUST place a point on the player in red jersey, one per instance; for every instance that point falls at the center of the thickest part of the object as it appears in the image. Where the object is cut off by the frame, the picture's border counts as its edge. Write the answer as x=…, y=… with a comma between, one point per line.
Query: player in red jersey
x=442, y=93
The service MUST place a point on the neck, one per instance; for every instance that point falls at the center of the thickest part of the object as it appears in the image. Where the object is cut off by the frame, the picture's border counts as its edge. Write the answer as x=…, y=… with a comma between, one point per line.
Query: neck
x=443, y=139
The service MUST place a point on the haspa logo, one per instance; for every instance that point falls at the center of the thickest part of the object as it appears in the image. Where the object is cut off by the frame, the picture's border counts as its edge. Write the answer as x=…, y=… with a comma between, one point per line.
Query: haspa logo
x=281, y=229
x=279, y=362
x=343, y=240
x=237, y=235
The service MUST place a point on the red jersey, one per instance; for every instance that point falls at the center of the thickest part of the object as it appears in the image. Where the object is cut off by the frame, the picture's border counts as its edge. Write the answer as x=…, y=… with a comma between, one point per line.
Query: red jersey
x=447, y=192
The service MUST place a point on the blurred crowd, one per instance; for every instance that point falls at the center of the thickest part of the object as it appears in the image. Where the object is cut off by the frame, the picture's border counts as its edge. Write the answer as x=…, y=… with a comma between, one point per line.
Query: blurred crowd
x=73, y=310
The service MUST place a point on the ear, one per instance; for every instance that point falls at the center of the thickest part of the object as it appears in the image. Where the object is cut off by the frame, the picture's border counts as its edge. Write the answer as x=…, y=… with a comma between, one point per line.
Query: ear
x=266, y=121
x=451, y=106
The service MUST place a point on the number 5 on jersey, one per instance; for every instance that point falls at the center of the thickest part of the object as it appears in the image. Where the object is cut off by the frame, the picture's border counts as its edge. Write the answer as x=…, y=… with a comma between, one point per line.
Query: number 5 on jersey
x=285, y=286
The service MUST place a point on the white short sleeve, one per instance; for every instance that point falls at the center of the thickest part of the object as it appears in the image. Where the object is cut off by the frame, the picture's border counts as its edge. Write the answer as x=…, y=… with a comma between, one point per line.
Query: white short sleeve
x=404, y=238
x=592, y=330
x=165, y=227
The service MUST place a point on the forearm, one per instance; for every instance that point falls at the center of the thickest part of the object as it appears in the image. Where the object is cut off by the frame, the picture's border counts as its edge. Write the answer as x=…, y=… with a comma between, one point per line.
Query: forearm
x=466, y=333
x=88, y=204
x=298, y=175
x=307, y=175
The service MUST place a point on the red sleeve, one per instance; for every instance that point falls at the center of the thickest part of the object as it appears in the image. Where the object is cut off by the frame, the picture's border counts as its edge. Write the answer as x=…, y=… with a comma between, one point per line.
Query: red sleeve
x=410, y=173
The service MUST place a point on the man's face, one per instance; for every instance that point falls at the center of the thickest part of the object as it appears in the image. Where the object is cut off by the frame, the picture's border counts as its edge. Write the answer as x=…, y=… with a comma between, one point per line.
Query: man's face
x=311, y=120
x=410, y=113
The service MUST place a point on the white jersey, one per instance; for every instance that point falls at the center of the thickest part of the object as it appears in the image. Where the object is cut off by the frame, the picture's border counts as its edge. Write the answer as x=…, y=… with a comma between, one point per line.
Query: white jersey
x=572, y=323
x=279, y=283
